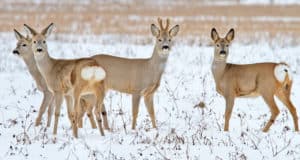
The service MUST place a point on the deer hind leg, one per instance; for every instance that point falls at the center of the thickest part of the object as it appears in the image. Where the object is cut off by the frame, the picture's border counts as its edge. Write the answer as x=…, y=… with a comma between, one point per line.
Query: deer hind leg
x=104, y=116
x=81, y=110
x=269, y=99
x=135, y=109
x=100, y=93
x=228, y=110
x=58, y=101
x=285, y=99
x=76, y=112
x=150, y=108
x=70, y=105
x=45, y=103
x=87, y=106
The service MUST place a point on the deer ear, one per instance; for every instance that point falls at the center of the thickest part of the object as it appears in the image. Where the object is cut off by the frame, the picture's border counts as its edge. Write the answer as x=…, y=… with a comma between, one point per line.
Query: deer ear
x=155, y=31
x=18, y=35
x=214, y=34
x=29, y=30
x=48, y=30
x=230, y=35
x=174, y=30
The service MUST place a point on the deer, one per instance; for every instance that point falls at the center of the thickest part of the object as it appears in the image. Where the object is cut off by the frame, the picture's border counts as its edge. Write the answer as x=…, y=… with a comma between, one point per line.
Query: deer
x=140, y=77
x=72, y=78
x=250, y=80
x=24, y=51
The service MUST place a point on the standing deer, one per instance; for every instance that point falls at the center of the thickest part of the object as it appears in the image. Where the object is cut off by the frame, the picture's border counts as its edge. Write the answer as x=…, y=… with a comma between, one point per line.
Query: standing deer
x=24, y=51
x=70, y=78
x=250, y=80
x=140, y=77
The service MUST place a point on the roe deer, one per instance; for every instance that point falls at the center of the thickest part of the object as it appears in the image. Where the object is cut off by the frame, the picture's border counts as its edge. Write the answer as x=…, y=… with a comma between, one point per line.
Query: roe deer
x=71, y=78
x=140, y=77
x=250, y=80
x=24, y=51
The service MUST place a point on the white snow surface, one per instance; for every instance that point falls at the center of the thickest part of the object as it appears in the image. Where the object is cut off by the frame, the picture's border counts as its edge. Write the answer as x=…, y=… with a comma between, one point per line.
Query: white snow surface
x=184, y=131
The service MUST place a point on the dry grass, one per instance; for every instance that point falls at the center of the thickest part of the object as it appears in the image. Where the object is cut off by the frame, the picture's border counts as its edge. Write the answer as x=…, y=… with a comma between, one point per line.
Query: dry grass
x=135, y=17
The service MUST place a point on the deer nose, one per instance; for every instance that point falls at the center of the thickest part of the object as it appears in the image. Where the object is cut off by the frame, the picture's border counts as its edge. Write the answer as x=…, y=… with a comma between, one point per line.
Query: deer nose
x=165, y=47
x=39, y=50
x=16, y=52
x=222, y=52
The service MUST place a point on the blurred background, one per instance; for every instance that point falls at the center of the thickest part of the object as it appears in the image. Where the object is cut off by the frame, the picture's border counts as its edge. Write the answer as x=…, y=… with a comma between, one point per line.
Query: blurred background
x=252, y=19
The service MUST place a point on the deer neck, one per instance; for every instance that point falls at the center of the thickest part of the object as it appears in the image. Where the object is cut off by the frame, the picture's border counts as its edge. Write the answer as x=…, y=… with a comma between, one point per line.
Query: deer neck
x=31, y=64
x=45, y=64
x=158, y=62
x=33, y=69
x=218, y=68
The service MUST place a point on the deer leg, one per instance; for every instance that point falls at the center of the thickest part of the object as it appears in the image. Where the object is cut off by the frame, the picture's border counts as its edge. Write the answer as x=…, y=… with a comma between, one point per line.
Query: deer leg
x=269, y=99
x=284, y=98
x=50, y=111
x=76, y=118
x=135, y=108
x=47, y=96
x=149, y=104
x=100, y=97
x=228, y=111
x=104, y=116
x=82, y=108
x=69, y=102
x=58, y=101
x=87, y=106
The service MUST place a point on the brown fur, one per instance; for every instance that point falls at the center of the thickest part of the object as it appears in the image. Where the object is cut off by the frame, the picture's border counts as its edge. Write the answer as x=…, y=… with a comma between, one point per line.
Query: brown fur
x=140, y=77
x=60, y=81
x=249, y=80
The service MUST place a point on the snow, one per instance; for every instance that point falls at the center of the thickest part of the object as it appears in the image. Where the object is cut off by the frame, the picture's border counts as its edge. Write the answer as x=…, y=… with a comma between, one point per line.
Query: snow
x=184, y=131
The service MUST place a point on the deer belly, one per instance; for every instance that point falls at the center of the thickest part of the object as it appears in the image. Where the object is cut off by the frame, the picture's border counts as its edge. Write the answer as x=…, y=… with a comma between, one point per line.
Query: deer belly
x=247, y=94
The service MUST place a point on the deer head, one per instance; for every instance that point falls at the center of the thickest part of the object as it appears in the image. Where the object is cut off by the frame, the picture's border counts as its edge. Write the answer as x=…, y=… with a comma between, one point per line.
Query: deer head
x=39, y=45
x=164, y=36
x=221, y=45
x=23, y=48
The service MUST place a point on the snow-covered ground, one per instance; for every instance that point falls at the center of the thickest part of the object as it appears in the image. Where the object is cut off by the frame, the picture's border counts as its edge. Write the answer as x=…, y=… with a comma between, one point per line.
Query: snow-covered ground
x=184, y=131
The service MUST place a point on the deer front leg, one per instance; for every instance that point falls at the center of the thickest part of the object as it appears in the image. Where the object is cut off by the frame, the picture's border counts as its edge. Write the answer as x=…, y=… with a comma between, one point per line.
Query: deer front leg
x=50, y=111
x=269, y=99
x=229, y=98
x=135, y=108
x=47, y=97
x=58, y=101
x=150, y=108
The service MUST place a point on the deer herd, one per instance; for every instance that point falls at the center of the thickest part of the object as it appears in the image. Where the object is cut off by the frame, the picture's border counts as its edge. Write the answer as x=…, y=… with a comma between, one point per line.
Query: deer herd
x=83, y=82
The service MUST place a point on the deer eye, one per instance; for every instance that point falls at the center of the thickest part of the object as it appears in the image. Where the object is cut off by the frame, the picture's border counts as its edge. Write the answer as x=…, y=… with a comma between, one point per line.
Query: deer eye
x=159, y=40
x=218, y=45
x=34, y=41
x=227, y=45
x=169, y=40
x=44, y=41
x=24, y=45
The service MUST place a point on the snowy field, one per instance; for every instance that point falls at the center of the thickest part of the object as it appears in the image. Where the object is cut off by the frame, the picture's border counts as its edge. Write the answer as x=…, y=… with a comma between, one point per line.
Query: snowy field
x=184, y=131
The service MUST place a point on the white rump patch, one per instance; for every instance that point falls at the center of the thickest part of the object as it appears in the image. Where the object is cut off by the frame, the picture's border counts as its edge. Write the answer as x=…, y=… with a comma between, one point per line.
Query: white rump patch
x=93, y=73
x=281, y=70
